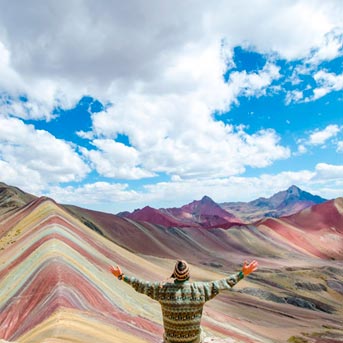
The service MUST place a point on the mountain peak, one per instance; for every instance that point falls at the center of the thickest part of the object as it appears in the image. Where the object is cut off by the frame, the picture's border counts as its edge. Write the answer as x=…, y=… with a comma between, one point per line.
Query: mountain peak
x=301, y=195
x=292, y=194
x=294, y=190
x=12, y=198
x=207, y=200
x=283, y=203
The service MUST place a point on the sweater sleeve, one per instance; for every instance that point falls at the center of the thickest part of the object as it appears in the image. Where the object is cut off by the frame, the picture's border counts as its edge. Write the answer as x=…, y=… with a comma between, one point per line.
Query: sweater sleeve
x=213, y=288
x=151, y=289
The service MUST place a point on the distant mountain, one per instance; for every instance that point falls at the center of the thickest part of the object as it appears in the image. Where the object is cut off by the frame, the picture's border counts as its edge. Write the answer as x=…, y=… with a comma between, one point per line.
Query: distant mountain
x=281, y=204
x=12, y=198
x=203, y=213
x=322, y=223
x=157, y=217
x=208, y=214
x=287, y=199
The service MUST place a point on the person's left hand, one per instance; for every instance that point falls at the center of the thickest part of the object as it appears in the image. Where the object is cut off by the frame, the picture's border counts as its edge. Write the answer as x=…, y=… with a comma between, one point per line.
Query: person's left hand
x=116, y=271
x=249, y=268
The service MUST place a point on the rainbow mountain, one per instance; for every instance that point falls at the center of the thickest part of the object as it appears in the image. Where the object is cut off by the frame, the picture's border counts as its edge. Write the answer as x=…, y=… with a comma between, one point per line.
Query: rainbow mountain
x=55, y=285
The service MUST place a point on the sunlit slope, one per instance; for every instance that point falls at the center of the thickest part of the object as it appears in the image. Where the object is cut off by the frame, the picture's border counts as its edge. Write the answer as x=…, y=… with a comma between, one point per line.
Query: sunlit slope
x=199, y=246
x=316, y=231
x=55, y=268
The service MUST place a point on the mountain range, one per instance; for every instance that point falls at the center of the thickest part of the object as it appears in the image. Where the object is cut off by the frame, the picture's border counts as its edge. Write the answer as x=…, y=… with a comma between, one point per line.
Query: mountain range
x=208, y=214
x=281, y=204
x=55, y=285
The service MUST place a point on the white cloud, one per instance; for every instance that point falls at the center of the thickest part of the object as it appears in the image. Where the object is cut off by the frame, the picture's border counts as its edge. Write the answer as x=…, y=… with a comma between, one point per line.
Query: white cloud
x=102, y=196
x=116, y=160
x=326, y=171
x=41, y=95
x=330, y=190
x=327, y=82
x=301, y=150
x=174, y=132
x=340, y=146
x=292, y=28
x=108, y=49
x=319, y=137
x=186, y=145
x=331, y=47
x=75, y=48
x=253, y=84
x=9, y=79
x=35, y=157
x=318, y=93
x=293, y=96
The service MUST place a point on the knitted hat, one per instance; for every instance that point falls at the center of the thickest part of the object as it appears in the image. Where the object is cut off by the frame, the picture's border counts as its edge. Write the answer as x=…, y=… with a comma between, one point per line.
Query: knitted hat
x=181, y=271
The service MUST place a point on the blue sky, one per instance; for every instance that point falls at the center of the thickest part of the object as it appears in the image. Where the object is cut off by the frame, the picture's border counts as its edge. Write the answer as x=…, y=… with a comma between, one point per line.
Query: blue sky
x=113, y=106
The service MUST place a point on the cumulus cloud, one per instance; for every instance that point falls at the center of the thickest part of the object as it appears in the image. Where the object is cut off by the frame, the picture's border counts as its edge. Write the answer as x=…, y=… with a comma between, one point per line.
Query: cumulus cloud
x=322, y=82
x=37, y=156
x=175, y=132
x=186, y=145
x=98, y=195
x=282, y=28
x=63, y=50
x=327, y=82
x=293, y=96
x=251, y=84
x=326, y=171
x=319, y=137
x=331, y=47
x=35, y=98
x=75, y=48
x=116, y=160
x=301, y=150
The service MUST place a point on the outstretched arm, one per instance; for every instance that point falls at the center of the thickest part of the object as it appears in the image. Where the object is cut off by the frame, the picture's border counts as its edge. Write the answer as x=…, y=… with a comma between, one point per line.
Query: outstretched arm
x=151, y=289
x=247, y=269
x=213, y=288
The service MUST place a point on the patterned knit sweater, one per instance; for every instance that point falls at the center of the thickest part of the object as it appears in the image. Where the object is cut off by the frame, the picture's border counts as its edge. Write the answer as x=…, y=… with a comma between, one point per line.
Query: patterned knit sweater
x=182, y=303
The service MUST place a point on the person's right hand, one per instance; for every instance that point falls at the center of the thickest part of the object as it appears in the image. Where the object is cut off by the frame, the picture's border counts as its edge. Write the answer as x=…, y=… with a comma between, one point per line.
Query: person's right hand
x=116, y=271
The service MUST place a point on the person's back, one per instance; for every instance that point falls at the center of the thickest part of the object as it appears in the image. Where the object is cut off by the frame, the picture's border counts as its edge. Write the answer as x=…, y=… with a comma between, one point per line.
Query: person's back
x=182, y=304
x=182, y=301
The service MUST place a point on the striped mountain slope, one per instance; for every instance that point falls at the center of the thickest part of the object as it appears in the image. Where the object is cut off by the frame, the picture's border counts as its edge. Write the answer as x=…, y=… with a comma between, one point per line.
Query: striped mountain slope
x=55, y=285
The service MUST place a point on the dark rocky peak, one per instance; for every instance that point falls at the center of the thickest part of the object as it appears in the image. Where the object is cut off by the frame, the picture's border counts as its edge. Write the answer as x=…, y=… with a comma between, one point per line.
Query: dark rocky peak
x=293, y=194
x=206, y=200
